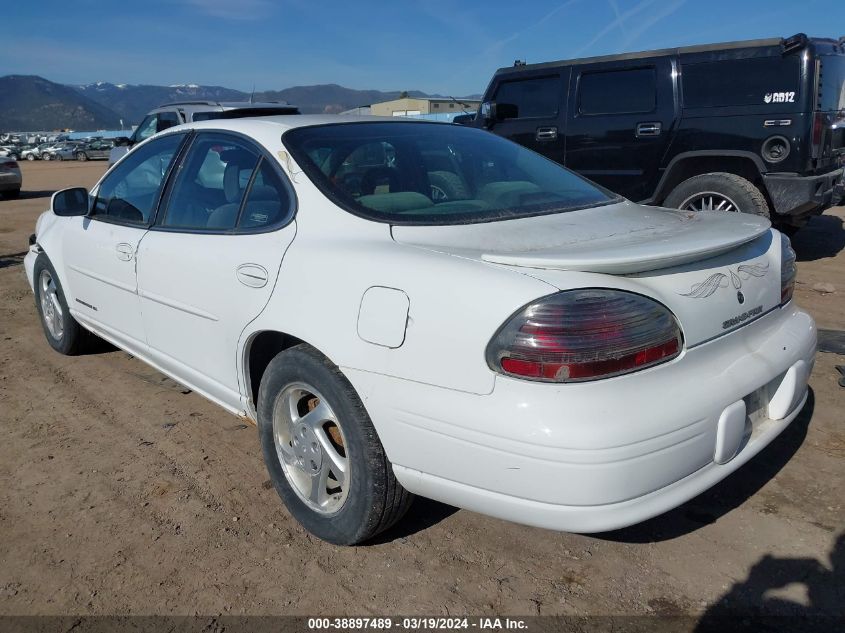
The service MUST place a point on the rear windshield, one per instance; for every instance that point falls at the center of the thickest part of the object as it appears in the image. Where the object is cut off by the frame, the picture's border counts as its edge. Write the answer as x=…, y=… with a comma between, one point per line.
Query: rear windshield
x=738, y=82
x=428, y=173
x=832, y=82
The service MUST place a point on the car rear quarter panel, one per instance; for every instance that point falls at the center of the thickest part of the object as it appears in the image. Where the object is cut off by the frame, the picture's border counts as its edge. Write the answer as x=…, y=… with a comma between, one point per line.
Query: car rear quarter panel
x=455, y=305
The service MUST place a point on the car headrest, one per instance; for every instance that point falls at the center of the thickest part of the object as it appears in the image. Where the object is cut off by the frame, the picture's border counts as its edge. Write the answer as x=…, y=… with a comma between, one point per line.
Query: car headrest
x=232, y=182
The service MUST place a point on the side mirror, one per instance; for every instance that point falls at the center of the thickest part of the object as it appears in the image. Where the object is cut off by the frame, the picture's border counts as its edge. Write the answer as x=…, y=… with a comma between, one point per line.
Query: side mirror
x=70, y=202
x=122, y=141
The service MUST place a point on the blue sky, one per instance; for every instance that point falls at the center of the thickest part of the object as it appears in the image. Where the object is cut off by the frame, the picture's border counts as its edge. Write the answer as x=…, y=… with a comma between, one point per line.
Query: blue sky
x=450, y=47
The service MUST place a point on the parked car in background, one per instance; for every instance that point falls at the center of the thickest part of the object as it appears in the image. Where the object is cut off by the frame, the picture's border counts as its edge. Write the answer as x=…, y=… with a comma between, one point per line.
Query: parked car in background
x=62, y=151
x=168, y=115
x=755, y=126
x=10, y=178
x=212, y=251
x=95, y=150
x=34, y=153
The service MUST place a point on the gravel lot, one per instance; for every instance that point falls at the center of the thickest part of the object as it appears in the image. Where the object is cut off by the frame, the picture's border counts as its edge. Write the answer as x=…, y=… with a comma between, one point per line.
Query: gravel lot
x=119, y=494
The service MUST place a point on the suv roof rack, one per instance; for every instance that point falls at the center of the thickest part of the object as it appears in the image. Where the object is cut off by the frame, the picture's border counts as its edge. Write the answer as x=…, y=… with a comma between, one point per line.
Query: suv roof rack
x=698, y=48
x=223, y=104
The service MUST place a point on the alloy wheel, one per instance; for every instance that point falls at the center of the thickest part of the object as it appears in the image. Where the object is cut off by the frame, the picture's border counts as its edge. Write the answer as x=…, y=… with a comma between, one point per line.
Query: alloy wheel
x=51, y=307
x=311, y=448
x=709, y=201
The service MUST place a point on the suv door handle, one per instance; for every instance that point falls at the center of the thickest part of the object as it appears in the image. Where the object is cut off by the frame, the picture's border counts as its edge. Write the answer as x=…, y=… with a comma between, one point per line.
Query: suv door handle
x=649, y=129
x=546, y=134
x=124, y=251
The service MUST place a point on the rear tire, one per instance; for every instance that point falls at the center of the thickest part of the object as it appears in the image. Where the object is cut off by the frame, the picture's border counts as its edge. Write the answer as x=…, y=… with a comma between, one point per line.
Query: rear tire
x=30, y=156
x=345, y=509
x=62, y=331
x=718, y=191
x=45, y=157
x=82, y=156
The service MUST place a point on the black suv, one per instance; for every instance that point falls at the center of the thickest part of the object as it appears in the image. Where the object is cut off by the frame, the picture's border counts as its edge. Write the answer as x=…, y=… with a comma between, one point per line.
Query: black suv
x=755, y=126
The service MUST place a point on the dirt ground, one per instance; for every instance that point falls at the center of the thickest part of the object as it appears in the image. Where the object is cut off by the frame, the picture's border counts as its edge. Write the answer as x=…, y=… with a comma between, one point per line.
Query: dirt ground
x=119, y=494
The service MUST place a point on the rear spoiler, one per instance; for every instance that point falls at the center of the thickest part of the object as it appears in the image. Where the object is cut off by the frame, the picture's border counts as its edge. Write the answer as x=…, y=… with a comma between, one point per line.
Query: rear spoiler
x=795, y=43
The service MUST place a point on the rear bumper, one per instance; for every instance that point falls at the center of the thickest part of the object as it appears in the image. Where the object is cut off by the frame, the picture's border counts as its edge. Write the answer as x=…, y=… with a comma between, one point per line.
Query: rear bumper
x=802, y=196
x=596, y=456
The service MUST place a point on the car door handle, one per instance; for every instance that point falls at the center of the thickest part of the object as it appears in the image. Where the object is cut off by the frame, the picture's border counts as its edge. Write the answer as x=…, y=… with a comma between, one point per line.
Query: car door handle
x=252, y=275
x=546, y=134
x=124, y=251
x=649, y=129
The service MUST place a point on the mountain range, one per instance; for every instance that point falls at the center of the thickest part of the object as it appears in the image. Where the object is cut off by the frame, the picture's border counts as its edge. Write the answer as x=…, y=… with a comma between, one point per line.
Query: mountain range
x=29, y=102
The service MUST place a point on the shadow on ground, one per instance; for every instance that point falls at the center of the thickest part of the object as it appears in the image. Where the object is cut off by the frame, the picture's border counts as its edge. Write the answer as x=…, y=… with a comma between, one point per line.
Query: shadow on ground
x=752, y=604
x=730, y=493
x=823, y=237
x=424, y=513
x=15, y=259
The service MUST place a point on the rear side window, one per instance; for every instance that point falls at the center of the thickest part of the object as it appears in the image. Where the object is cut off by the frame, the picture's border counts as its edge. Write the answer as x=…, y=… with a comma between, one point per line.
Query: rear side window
x=211, y=184
x=167, y=120
x=754, y=81
x=226, y=185
x=617, y=91
x=529, y=98
x=267, y=202
x=831, y=82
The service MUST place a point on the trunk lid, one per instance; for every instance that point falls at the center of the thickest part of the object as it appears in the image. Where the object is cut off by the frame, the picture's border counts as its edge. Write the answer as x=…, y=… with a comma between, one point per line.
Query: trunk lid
x=715, y=271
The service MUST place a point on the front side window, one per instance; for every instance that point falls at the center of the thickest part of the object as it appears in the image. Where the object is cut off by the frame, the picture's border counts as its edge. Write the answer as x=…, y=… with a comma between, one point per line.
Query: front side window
x=428, y=173
x=130, y=192
x=528, y=98
x=146, y=128
x=618, y=91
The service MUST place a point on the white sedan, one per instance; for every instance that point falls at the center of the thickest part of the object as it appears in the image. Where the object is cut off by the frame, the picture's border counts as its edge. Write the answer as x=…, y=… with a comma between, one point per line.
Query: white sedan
x=408, y=308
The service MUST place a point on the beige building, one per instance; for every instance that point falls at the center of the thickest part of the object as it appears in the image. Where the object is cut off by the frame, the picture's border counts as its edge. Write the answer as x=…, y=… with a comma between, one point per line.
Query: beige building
x=409, y=106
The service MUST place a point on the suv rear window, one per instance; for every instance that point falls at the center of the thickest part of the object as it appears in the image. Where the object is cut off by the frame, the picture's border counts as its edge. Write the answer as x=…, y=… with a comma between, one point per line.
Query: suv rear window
x=530, y=98
x=435, y=174
x=755, y=81
x=617, y=91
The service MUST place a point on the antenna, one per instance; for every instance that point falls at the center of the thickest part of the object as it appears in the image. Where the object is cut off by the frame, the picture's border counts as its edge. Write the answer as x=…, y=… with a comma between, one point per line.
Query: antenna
x=461, y=105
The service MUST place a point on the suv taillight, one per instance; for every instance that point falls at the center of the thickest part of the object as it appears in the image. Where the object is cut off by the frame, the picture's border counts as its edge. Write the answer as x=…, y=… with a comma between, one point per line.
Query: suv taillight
x=9, y=164
x=788, y=269
x=586, y=334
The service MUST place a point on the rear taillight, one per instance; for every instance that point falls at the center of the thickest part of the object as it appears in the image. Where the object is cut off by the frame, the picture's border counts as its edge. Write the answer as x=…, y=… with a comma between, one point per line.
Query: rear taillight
x=818, y=132
x=586, y=334
x=9, y=164
x=788, y=269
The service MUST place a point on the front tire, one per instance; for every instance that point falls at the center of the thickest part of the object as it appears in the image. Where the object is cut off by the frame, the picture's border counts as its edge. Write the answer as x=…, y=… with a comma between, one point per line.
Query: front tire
x=30, y=156
x=718, y=191
x=62, y=331
x=322, y=452
x=82, y=156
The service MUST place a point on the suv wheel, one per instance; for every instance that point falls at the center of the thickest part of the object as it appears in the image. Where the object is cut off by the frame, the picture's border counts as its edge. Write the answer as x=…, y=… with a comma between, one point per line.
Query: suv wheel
x=322, y=452
x=30, y=156
x=82, y=156
x=718, y=192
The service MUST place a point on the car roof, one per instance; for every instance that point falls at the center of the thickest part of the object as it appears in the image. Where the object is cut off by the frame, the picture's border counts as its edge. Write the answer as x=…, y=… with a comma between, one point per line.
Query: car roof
x=284, y=123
